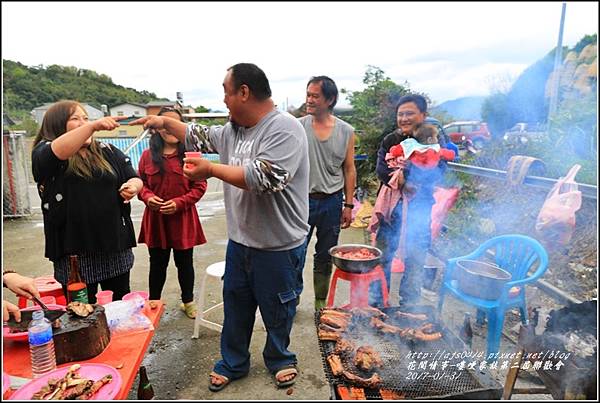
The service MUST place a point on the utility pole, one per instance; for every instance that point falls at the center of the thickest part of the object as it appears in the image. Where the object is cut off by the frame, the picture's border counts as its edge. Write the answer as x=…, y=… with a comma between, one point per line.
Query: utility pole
x=557, y=67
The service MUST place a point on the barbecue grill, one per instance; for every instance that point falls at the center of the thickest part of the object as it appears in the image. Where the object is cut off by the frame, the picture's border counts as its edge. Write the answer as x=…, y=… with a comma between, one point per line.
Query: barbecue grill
x=448, y=383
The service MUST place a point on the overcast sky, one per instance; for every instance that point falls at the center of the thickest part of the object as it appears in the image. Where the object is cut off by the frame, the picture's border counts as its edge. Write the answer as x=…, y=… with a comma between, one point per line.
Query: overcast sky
x=447, y=50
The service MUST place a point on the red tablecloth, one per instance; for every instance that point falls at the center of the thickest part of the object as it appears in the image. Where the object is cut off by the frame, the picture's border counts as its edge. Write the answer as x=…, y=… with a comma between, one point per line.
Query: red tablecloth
x=127, y=350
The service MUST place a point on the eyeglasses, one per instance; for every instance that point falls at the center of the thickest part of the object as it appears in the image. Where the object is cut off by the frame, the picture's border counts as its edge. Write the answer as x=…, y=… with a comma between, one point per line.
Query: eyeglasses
x=406, y=114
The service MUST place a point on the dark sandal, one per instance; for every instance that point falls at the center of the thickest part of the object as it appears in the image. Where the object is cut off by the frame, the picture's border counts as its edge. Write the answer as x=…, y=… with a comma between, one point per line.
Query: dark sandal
x=214, y=387
x=287, y=370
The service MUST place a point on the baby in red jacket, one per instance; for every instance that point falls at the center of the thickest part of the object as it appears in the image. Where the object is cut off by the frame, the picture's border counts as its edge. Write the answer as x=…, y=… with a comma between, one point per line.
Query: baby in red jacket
x=422, y=150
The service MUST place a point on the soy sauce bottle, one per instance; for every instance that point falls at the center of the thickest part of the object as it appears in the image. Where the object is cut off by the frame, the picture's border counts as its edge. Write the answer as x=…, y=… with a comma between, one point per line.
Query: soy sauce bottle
x=76, y=287
x=145, y=390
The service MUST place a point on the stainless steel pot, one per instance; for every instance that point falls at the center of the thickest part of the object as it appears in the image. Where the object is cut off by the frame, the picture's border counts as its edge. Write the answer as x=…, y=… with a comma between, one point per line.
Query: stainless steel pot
x=355, y=266
x=481, y=279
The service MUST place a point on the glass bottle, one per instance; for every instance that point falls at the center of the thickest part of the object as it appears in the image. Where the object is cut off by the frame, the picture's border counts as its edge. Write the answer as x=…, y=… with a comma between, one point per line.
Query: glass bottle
x=76, y=287
x=466, y=332
x=145, y=390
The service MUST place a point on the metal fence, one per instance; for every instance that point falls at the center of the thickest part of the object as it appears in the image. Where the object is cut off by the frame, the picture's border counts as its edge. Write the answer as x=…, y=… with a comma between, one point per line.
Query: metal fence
x=589, y=191
x=15, y=176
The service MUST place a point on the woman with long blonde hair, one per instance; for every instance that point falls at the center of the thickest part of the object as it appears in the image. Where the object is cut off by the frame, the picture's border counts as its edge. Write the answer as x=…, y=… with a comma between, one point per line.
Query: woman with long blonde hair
x=85, y=187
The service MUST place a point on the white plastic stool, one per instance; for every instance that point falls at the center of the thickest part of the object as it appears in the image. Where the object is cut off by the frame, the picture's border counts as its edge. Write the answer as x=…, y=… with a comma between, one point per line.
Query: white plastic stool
x=214, y=270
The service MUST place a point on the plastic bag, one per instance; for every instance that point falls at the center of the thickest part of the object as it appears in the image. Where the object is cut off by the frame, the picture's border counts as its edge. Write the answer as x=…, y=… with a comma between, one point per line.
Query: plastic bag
x=556, y=219
x=363, y=215
x=127, y=316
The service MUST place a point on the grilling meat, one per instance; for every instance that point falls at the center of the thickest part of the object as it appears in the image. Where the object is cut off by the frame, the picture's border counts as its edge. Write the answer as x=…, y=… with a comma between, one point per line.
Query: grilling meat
x=335, y=363
x=368, y=311
x=327, y=328
x=336, y=312
x=372, y=383
x=367, y=358
x=410, y=316
x=324, y=335
x=384, y=327
x=343, y=346
x=426, y=333
x=423, y=333
x=337, y=322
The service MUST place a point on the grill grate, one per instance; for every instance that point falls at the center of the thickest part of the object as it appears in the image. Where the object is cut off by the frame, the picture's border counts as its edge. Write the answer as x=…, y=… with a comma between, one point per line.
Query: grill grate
x=395, y=352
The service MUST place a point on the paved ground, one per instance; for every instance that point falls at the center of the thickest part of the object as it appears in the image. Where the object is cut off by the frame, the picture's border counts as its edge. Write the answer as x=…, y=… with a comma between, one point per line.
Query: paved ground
x=178, y=366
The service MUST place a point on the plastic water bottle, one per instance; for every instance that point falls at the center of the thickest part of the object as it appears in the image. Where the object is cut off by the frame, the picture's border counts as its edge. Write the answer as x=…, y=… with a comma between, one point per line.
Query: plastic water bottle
x=41, y=345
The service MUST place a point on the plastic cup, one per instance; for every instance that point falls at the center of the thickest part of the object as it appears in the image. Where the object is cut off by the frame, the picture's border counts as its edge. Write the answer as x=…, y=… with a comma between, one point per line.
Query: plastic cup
x=104, y=297
x=192, y=154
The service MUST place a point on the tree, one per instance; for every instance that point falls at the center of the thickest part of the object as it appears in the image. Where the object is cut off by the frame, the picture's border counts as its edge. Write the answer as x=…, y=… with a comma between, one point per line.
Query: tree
x=373, y=113
x=201, y=109
x=496, y=112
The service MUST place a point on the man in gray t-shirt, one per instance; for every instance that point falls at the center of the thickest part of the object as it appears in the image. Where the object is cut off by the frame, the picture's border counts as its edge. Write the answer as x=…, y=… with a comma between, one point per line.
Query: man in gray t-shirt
x=264, y=164
x=332, y=177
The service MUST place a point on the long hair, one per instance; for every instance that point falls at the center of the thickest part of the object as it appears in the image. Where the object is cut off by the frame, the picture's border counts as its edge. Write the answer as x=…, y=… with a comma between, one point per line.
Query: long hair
x=157, y=144
x=54, y=125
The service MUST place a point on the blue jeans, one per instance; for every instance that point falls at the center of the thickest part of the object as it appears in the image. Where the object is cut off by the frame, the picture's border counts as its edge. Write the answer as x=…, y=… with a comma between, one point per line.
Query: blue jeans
x=324, y=215
x=268, y=280
x=418, y=241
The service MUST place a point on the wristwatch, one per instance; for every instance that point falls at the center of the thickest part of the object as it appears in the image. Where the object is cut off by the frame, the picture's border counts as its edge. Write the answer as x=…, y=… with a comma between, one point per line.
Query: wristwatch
x=348, y=205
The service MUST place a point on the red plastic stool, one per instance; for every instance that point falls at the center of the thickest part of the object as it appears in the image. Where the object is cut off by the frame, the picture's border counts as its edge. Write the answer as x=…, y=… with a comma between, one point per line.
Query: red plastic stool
x=359, y=286
x=47, y=286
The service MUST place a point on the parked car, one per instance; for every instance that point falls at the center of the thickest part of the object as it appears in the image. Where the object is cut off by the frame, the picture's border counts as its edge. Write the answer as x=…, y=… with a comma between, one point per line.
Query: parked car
x=522, y=134
x=443, y=136
x=474, y=131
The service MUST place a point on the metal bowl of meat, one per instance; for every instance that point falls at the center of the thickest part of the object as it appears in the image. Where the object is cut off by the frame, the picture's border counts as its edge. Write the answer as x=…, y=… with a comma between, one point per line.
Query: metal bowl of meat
x=355, y=258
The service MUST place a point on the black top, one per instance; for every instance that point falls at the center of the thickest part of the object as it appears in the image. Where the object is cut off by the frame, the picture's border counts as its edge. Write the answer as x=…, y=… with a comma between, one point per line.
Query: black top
x=391, y=139
x=82, y=215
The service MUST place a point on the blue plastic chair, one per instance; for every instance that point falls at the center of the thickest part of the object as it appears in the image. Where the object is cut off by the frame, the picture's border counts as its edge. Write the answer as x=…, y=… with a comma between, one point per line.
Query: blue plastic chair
x=518, y=255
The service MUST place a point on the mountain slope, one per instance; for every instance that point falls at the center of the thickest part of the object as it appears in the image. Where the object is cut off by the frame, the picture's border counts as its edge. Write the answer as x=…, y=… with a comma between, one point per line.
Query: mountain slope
x=465, y=108
x=28, y=87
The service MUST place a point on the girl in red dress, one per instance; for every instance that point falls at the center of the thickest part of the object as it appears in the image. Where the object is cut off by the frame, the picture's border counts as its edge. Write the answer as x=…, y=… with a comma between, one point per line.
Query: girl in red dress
x=170, y=218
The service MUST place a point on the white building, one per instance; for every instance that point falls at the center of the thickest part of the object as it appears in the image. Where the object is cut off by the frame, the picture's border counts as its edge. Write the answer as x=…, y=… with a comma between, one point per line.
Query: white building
x=128, y=109
x=39, y=112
